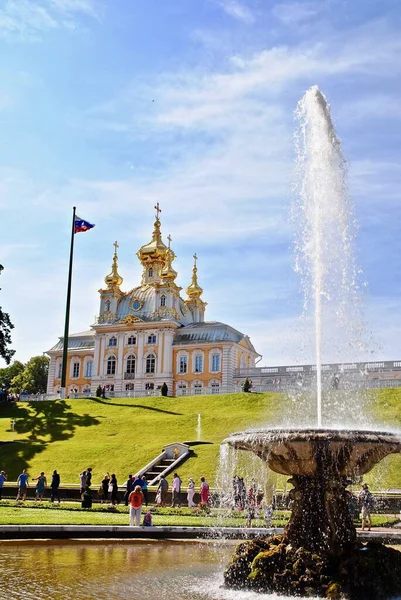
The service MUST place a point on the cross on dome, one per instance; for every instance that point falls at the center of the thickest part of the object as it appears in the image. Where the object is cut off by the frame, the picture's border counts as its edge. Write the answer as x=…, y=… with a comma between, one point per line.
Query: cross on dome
x=158, y=210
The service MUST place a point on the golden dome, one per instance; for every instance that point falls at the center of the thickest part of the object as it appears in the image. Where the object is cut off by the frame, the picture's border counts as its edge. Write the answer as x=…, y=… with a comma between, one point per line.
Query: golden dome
x=155, y=248
x=194, y=290
x=114, y=279
x=168, y=273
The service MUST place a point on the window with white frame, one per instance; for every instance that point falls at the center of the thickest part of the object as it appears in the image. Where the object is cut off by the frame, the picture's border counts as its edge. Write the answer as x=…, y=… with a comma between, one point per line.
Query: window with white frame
x=150, y=363
x=152, y=338
x=163, y=300
x=183, y=364
x=107, y=305
x=215, y=387
x=182, y=389
x=130, y=367
x=111, y=365
x=113, y=341
x=88, y=368
x=150, y=272
x=129, y=387
x=75, y=369
x=197, y=387
x=131, y=340
x=149, y=386
x=60, y=368
x=198, y=363
x=215, y=362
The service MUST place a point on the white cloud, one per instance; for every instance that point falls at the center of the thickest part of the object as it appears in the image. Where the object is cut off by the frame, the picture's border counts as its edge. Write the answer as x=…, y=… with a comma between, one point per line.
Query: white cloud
x=238, y=10
x=28, y=20
x=291, y=13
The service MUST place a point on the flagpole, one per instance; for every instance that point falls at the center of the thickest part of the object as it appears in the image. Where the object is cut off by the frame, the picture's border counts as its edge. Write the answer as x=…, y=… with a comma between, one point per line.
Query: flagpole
x=67, y=311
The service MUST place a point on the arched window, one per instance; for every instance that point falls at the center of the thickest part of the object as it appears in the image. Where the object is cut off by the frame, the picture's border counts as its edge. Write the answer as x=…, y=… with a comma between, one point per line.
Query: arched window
x=150, y=363
x=163, y=300
x=197, y=362
x=107, y=305
x=150, y=272
x=111, y=365
x=131, y=364
x=129, y=387
x=88, y=368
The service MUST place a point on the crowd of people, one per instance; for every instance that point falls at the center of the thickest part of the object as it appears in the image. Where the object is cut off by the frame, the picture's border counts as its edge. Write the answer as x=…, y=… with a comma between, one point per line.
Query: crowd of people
x=135, y=495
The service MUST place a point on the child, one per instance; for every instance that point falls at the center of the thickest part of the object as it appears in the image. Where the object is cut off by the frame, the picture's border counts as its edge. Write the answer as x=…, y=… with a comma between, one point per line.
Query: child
x=147, y=520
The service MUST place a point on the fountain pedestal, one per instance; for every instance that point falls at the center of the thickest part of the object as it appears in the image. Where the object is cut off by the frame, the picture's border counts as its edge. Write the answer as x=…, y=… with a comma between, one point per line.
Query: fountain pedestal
x=318, y=553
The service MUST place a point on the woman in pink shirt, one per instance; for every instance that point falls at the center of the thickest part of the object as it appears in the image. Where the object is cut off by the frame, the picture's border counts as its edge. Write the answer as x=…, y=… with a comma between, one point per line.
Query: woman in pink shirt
x=204, y=491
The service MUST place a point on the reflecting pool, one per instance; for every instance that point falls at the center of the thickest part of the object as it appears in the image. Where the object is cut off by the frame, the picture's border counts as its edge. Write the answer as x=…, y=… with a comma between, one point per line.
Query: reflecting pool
x=112, y=570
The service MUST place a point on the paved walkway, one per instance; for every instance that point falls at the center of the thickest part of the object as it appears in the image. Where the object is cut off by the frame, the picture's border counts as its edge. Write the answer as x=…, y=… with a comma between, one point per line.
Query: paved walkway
x=12, y=532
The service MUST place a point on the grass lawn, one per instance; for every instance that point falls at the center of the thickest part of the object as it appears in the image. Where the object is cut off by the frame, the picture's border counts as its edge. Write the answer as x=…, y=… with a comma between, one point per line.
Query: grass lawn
x=123, y=435
x=30, y=513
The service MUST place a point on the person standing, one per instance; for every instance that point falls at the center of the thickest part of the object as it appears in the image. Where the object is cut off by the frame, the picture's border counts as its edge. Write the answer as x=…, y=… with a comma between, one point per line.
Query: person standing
x=162, y=491
x=366, y=502
x=176, y=491
x=3, y=478
x=22, y=483
x=204, y=491
x=82, y=479
x=145, y=489
x=191, y=493
x=105, y=487
x=40, y=486
x=54, y=485
x=135, y=506
x=129, y=489
x=114, y=489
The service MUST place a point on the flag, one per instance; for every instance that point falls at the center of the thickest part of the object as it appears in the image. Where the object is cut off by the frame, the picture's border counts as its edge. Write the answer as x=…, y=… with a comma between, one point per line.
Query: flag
x=81, y=225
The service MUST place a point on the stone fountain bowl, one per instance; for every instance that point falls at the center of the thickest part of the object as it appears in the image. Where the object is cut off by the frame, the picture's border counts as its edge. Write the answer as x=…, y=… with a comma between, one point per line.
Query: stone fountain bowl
x=305, y=452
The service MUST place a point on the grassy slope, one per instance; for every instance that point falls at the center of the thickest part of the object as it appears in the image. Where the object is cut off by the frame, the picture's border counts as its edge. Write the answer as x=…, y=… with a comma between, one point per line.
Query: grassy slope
x=123, y=435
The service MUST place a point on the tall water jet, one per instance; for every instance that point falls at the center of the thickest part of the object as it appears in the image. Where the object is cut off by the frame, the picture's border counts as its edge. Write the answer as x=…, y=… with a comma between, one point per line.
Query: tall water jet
x=324, y=225
x=198, y=428
x=319, y=554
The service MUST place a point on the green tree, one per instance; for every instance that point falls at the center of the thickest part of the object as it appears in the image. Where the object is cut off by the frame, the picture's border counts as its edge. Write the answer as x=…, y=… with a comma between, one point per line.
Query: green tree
x=5, y=335
x=8, y=373
x=247, y=385
x=33, y=378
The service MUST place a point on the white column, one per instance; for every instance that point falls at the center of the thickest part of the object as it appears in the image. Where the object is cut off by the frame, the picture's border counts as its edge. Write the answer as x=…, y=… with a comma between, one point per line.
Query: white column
x=101, y=352
x=120, y=356
x=140, y=363
x=50, y=377
x=168, y=352
x=95, y=371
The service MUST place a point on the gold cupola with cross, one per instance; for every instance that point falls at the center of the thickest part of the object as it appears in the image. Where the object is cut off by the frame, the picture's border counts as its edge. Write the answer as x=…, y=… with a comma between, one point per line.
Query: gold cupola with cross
x=153, y=255
x=113, y=280
x=195, y=304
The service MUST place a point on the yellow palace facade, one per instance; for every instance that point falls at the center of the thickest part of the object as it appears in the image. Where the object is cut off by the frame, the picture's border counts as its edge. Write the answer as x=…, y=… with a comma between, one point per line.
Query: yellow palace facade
x=150, y=335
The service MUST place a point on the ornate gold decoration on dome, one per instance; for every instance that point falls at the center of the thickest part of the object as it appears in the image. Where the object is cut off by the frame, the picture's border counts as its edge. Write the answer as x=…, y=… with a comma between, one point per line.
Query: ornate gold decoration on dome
x=114, y=280
x=107, y=317
x=164, y=311
x=168, y=273
x=130, y=319
x=194, y=290
x=155, y=248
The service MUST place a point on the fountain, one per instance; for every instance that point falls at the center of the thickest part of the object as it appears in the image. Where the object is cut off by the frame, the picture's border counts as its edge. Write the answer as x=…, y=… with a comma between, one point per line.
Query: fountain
x=318, y=554
x=198, y=428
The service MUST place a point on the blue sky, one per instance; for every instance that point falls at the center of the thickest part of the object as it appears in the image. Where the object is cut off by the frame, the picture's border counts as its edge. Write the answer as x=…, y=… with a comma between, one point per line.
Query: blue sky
x=114, y=105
